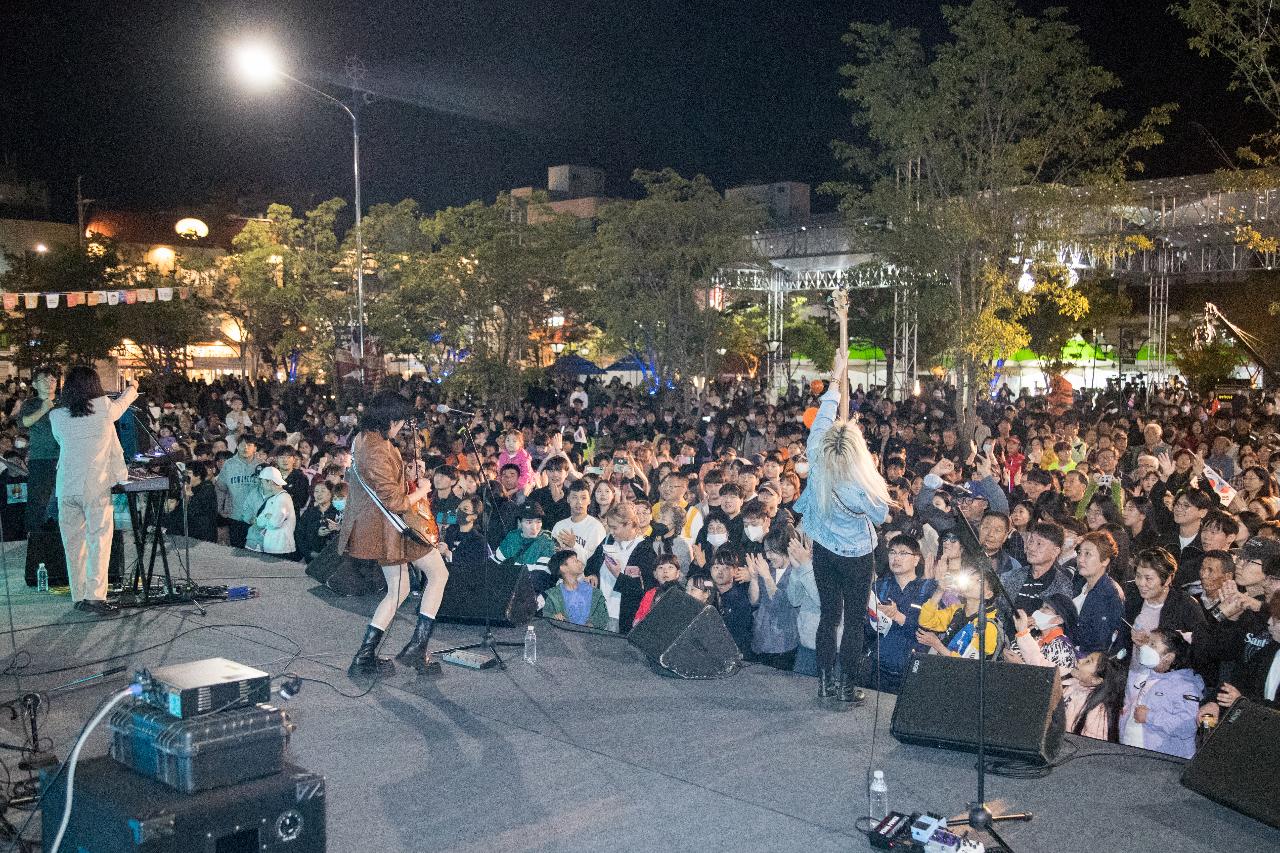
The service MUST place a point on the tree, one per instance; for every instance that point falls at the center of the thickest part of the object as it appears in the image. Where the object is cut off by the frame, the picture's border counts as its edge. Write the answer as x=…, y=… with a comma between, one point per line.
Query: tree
x=163, y=331
x=987, y=151
x=468, y=290
x=63, y=335
x=1246, y=33
x=646, y=271
x=279, y=286
x=1205, y=363
x=1054, y=317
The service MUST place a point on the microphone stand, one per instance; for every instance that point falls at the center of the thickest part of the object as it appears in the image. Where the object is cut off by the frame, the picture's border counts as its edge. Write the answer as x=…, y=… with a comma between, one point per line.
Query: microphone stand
x=488, y=642
x=980, y=817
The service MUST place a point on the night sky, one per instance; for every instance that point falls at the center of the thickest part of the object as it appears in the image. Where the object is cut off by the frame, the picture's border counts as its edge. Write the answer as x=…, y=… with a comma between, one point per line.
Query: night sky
x=474, y=97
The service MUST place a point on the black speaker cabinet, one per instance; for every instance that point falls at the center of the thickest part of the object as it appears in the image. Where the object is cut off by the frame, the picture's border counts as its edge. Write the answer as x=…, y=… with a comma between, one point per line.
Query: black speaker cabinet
x=117, y=811
x=45, y=546
x=938, y=705
x=498, y=592
x=1237, y=765
x=687, y=638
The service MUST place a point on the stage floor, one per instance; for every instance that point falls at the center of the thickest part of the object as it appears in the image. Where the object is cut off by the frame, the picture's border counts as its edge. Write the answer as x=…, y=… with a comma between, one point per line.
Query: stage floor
x=588, y=750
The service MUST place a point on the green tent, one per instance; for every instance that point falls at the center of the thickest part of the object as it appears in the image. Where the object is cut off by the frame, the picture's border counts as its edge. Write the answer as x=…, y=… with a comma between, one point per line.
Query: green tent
x=864, y=351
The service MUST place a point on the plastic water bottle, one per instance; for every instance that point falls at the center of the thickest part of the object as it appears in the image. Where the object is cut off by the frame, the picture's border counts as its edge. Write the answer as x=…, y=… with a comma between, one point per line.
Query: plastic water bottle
x=878, y=798
x=42, y=578
x=530, y=646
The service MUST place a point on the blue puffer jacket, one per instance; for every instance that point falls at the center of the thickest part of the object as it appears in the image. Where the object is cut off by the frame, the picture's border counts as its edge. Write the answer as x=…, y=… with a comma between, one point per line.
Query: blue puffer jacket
x=849, y=526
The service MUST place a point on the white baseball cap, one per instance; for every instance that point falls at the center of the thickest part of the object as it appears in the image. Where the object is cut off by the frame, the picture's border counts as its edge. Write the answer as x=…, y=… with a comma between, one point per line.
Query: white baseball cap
x=271, y=473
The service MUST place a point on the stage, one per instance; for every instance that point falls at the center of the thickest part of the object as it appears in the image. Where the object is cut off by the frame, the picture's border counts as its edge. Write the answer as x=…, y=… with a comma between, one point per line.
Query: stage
x=588, y=750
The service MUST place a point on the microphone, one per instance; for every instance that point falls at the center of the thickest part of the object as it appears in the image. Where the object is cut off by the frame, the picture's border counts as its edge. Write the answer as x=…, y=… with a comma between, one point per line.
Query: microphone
x=446, y=410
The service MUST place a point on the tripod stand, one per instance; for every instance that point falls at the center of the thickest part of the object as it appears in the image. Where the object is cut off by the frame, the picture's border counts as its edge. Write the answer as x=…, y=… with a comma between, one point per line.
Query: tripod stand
x=979, y=816
x=488, y=641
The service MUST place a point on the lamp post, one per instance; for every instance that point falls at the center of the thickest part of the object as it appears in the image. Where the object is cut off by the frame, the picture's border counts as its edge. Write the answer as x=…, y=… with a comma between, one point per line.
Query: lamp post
x=259, y=66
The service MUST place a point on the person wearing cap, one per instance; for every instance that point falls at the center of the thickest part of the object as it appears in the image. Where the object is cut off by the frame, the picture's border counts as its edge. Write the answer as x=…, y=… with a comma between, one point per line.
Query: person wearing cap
x=530, y=546
x=271, y=531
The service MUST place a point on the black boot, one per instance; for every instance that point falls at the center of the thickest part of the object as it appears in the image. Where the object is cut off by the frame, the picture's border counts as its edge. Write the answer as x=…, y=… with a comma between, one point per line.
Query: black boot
x=849, y=692
x=415, y=651
x=826, y=683
x=366, y=659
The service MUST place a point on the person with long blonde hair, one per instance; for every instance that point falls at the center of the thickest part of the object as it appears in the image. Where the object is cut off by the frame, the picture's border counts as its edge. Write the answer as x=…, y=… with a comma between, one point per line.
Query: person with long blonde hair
x=844, y=500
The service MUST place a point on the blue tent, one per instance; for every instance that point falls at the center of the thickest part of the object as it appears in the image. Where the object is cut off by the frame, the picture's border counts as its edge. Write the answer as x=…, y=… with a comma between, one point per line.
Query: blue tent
x=628, y=364
x=575, y=365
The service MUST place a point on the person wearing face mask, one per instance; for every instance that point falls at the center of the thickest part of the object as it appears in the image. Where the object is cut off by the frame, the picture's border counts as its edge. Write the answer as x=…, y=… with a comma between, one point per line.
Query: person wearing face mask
x=1163, y=696
x=462, y=543
x=755, y=525
x=715, y=537
x=1044, y=638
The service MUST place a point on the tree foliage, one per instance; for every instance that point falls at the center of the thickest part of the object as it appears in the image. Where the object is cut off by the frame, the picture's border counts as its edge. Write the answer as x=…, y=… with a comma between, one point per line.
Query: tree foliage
x=285, y=286
x=645, y=273
x=1246, y=33
x=986, y=149
x=63, y=335
x=1204, y=364
x=1056, y=313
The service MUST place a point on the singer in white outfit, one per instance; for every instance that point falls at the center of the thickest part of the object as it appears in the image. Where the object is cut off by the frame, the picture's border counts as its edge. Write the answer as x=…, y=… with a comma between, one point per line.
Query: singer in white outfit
x=91, y=461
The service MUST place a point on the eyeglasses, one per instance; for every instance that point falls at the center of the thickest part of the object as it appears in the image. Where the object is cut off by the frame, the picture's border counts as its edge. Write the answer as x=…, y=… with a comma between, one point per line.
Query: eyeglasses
x=902, y=553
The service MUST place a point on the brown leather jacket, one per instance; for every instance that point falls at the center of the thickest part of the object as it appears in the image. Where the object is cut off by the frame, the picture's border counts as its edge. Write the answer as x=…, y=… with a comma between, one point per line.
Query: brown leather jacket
x=365, y=532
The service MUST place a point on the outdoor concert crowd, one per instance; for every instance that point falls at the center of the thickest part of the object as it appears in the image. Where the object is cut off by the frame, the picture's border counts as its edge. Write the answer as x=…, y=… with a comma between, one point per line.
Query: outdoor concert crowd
x=1133, y=538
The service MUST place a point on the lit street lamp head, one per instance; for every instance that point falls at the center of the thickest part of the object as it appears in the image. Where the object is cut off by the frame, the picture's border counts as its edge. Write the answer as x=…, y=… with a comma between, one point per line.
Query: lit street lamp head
x=257, y=64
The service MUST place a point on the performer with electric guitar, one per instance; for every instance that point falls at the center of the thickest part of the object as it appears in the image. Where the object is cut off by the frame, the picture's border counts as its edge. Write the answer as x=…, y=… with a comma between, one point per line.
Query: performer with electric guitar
x=389, y=519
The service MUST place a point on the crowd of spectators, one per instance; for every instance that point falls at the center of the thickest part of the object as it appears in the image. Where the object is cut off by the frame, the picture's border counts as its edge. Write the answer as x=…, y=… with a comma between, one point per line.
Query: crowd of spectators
x=1133, y=539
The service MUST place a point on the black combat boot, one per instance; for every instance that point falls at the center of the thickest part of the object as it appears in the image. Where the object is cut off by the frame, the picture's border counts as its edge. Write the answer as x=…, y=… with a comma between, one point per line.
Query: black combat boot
x=415, y=651
x=367, y=660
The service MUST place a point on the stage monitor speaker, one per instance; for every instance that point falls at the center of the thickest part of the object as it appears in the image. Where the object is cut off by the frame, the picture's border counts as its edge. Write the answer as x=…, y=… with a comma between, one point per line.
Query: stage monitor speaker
x=938, y=704
x=45, y=546
x=498, y=592
x=687, y=638
x=1237, y=765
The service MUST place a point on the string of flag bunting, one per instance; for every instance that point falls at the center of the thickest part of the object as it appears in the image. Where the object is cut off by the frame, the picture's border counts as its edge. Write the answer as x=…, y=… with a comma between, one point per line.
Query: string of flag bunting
x=75, y=298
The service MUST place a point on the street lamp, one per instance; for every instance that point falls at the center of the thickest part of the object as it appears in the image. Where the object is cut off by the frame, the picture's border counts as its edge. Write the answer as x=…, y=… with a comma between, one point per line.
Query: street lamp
x=774, y=346
x=258, y=65
x=557, y=347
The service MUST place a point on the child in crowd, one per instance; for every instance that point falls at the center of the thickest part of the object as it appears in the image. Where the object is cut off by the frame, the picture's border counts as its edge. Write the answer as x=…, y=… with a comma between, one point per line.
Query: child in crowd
x=1093, y=695
x=572, y=599
x=667, y=574
x=1162, y=704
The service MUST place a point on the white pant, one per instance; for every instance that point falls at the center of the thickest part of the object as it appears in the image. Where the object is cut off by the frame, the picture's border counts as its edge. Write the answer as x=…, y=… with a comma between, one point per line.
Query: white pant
x=87, y=522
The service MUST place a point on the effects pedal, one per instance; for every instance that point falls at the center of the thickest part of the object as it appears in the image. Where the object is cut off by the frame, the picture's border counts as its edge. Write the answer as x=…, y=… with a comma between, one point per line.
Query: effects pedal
x=893, y=833
x=471, y=660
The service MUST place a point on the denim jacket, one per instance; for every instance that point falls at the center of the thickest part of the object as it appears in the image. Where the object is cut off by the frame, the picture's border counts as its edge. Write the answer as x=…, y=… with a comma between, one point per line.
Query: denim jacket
x=848, y=528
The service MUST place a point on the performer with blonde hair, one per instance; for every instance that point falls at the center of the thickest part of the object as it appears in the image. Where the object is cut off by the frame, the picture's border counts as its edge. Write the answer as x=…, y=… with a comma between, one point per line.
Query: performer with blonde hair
x=844, y=501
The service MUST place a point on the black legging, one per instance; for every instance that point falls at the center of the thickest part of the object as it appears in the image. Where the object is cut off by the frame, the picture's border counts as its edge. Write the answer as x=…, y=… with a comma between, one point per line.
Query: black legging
x=844, y=583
